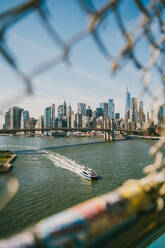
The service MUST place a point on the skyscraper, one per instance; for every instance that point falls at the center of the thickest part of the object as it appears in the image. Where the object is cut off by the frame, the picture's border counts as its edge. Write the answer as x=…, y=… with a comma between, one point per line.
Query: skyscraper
x=30, y=123
x=73, y=120
x=81, y=107
x=161, y=116
x=69, y=114
x=99, y=112
x=148, y=116
x=127, y=102
x=40, y=123
x=78, y=119
x=53, y=115
x=69, y=110
x=15, y=117
x=64, y=109
x=105, y=109
x=141, y=113
x=133, y=109
x=24, y=117
x=111, y=108
x=117, y=116
x=47, y=117
x=60, y=111
x=7, y=121
x=89, y=112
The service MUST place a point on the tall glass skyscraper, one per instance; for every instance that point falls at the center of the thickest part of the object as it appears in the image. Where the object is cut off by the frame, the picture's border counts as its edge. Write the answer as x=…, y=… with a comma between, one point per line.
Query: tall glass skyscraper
x=81, y=107
x=15, y=117
x=105, y=109
x=53, y=115
x=64, y=109
x=111, y=108
x=47, y=117
x=24, y=117
x=127, y=102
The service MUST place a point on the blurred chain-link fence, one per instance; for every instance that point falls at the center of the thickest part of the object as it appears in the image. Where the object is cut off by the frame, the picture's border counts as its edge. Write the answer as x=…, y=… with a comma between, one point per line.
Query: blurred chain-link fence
x=150, y=25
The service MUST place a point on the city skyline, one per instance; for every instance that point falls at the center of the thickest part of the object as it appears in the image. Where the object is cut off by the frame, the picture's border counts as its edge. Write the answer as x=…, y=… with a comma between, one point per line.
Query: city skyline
x=63, y=115
x=88, y=79
x=74, y=107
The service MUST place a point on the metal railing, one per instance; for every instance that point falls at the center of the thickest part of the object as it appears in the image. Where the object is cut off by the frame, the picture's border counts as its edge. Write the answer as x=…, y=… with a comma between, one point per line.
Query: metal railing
x=130, y=202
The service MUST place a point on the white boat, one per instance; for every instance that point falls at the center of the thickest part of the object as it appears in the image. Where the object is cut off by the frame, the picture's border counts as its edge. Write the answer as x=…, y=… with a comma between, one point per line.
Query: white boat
x=88, y=173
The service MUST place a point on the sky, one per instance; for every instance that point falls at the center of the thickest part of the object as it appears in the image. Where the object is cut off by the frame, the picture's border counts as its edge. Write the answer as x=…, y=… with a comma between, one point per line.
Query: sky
x=88, y=79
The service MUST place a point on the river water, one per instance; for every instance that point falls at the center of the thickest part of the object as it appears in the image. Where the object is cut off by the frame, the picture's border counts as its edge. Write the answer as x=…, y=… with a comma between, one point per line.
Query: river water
x=48, y=182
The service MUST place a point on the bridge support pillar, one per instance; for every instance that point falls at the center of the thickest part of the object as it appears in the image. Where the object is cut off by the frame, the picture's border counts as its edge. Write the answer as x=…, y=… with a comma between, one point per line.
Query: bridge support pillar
x=108, y=136
x=105, y=136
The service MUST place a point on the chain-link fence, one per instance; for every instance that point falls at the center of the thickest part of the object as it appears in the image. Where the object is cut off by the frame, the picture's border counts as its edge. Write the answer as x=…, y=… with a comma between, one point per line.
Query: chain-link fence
x=150, y=26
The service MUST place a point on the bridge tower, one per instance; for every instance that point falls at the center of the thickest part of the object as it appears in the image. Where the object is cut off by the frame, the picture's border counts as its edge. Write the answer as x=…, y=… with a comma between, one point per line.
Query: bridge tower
x=108, y=134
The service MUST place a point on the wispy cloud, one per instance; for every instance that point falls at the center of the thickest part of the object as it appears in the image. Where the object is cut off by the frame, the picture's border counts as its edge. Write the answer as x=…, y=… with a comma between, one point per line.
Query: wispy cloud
x=99, y=81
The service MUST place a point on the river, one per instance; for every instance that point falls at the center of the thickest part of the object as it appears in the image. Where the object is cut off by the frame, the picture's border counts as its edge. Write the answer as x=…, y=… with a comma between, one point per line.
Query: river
x=47, y=183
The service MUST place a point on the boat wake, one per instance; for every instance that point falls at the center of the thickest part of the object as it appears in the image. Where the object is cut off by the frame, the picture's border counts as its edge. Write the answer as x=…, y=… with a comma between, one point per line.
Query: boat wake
x=63, y=162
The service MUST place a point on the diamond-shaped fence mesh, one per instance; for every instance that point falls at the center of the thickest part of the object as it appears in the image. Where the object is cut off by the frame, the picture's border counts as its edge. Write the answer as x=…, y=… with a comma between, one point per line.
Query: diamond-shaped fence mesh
x=150, y=25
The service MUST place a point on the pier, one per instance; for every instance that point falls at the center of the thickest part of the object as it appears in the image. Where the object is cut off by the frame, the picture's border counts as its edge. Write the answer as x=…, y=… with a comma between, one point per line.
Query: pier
x=6, y=159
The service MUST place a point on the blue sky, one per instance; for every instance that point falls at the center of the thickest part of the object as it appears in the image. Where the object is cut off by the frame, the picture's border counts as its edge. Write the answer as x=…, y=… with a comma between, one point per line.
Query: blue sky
x=90, y=79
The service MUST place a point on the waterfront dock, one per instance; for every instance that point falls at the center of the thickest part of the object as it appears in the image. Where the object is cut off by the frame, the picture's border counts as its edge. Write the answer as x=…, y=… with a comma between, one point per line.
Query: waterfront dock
x=6, y=159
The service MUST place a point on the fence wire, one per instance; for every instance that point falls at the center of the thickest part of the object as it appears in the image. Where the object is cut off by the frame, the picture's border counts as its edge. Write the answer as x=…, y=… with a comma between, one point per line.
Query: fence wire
x=150, y=26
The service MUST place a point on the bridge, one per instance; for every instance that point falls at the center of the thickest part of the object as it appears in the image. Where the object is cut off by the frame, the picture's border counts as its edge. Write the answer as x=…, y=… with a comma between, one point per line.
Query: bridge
x=66, y=129
x=109, y=133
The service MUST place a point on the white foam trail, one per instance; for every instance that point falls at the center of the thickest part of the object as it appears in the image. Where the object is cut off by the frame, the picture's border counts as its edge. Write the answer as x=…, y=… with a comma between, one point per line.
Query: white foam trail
x=63, y=162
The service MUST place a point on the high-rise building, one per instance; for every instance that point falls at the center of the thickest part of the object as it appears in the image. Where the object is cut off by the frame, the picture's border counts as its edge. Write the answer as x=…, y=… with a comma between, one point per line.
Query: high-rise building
x=15, y=117
x=111, y=108
x=94, y=114
x=47, y=117
x=89, y=112
x=60, y=111
x=141, y=112
x=148, y=116
x=7, y=120
x=73, y=120
x=69, y=114
x=105, y=109
x=133, y=109
x=161, y=116
x=64, y=109
x=24, y=117
x=78, y=119
x=85, y=121
x=40, y=122
x=81, y=107
x=127, y=102
x=99, y=112
x=31, y=122
x=53, y=115
x=69, y=110
x=117, y=116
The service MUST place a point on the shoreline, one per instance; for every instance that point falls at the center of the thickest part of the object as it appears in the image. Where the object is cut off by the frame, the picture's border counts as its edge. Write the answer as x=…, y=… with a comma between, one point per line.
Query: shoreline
x=8, y=165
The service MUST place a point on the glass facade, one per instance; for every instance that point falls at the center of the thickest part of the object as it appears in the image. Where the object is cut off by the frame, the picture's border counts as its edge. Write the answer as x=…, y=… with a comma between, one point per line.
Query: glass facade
x=127, y=102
